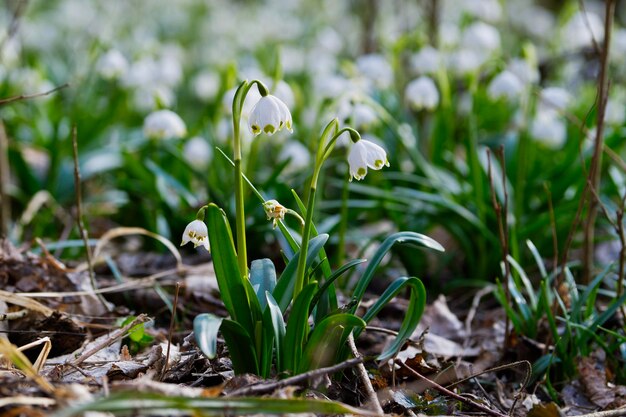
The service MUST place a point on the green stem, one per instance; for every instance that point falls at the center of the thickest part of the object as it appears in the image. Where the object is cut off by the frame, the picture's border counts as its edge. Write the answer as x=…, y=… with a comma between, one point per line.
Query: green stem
x=343, y=225
x=304, y=245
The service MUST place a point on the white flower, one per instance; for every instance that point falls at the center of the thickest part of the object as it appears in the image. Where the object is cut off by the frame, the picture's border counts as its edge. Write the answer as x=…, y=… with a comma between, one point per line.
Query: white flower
x=206, y=85
x=527, y=73
x=422, y=93
x=197, y=152
x=365, y=154
x=197, y=233
x=163, y=124
x=505, y=85
x=555, y=99
x=488, y=10
x=615, y=112
x=112, y=65
x=426, y=61
x=549, y=129
x=581, y=30
x=298, y=155
x=481, y=37
x=269, y=115
x=376, y=69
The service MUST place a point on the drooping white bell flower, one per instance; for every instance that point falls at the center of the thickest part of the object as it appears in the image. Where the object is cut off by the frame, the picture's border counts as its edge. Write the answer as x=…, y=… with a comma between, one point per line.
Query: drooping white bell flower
x=197, y=233
x=505, y=85
x=422, y=93
x=163, y=124
x=365, y=154
x=269, y=115
x=376, y=69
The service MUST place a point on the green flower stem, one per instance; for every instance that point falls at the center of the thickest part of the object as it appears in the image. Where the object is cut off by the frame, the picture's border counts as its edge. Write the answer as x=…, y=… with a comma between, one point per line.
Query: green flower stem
x=240, y=221
x=323, y=152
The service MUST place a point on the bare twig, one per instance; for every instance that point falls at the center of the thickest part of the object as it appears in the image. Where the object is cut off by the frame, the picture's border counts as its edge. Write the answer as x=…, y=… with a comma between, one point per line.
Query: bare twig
x=294, y=380
x=13, y=315
x=79, y=217
x=501, y=215
x=451, y=394
x=369, y=389
x=596, y=160
x=115, y=336
x=610, y=413
x=171, y=332
x=29, y=96
x=5, y=206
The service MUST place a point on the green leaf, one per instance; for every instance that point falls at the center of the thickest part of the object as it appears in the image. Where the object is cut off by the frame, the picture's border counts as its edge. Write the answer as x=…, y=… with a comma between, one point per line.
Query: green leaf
x=205, y=329
x=408, y=238
x=339, y=272
x=278, y=327
x=417, y=302
x=262, y=279
x=232, y=289
x=328, y=336
x=240, y=347
x=131, y=403
x=297, y=327
x=512, y=314
x=284, y=288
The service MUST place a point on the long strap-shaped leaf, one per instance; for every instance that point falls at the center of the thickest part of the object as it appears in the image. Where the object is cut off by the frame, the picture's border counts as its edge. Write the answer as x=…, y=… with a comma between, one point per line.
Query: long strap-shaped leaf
x=284, y=288
x=298, y=326
x=240, y=344
x=275, y=316
x=148, y=403
x=229, y=279
x=417, y=302
x=401, y=238
x=323, y=346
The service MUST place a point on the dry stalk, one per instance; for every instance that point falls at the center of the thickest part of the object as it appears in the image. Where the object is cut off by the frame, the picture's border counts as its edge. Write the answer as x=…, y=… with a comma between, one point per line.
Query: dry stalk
x=369, y=389
x=79, y=217
x=503, y=233
x=5, y=206
x=596, y=160
x=29, y=96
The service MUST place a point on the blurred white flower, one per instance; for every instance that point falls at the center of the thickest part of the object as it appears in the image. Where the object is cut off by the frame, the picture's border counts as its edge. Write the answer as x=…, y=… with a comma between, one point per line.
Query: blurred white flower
x=150, y=97
x=112, y=65
x=481, y=37
x=269, y=115
x=555, y=99
x=363, y=116
x=363, y=155
x=449, y=34
x=532, y=19
x=618, y=46
x=197, y=152
x=581, y=30
x=422, y=93
x=197, y=233
x=426, y=61
x=298, y=155
x=465, y=61
x=505, y=85
x=163, y=124
x=206, y=85
x=10, y=52
x=330, y=85
x=526, y=73
x=376, y=69
x=548, y=128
